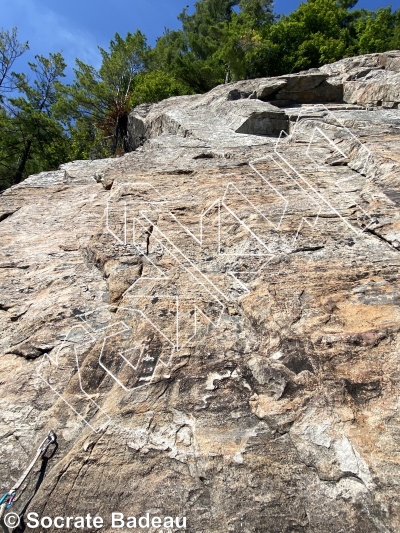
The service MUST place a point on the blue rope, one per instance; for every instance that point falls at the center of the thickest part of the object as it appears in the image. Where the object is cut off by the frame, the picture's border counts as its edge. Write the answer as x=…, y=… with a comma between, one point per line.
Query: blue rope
x=10, y=501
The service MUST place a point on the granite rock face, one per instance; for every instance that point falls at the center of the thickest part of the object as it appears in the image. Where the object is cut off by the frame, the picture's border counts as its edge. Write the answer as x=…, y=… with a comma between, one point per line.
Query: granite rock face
x=211, y=322
x=371, y=81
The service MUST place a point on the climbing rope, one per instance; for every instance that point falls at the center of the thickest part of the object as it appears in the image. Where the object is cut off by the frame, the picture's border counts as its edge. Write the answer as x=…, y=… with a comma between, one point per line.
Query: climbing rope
x=8, y=498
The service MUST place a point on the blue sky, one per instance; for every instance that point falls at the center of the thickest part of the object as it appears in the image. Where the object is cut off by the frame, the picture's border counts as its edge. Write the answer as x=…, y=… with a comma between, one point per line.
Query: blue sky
x=76, y=27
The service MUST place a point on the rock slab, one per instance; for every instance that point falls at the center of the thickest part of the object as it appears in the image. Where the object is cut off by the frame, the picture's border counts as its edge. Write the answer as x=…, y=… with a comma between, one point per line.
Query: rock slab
x=211, y=322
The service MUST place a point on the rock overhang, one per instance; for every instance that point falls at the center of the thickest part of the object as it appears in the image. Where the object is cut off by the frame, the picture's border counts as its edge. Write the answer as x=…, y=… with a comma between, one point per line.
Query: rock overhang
x=370, y=81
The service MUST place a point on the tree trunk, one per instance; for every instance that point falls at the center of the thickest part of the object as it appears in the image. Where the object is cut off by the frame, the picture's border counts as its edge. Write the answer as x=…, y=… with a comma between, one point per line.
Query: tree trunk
x=120, y=134
x=228, y=74
x=21, y=167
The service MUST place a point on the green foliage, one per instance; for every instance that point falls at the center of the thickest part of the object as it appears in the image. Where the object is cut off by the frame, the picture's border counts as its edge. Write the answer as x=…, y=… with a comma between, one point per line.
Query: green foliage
x=395, y=38
x=195, y=57
x=256, y=13
x=222, y=40
x=173, y=54
x=375, y=30
x=244, y=39
x=316, y=33
x=156, y=85
x=31, y=138
x=347, y=4
x=216, y=42
x=42, y=94
x=102, y=98
x=10, y=50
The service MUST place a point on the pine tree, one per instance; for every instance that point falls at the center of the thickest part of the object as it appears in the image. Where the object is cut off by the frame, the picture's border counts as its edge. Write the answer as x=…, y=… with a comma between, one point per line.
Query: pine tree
x=31, y=137
x=102, y=98
x=10, y=50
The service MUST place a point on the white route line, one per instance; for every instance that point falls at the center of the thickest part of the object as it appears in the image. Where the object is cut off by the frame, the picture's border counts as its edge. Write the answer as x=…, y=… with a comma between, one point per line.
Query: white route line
x=48, y=359
x=183, y=261
x=316, y=129
x=309, y=196
x=251, y=164
x=300, y=176
x=178, y=250
x=362, y=147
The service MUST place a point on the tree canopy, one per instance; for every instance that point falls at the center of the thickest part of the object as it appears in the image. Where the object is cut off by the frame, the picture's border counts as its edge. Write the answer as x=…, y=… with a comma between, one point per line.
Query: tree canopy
x=44, y=122
x=10, y=50
x=31, y=138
